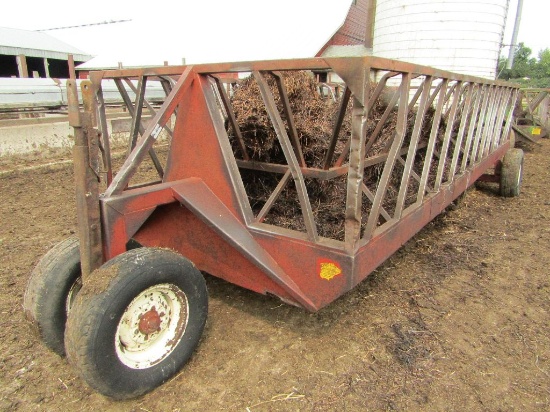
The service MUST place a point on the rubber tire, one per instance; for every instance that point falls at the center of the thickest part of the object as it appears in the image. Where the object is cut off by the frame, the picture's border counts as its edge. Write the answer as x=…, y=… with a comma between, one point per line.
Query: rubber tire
x=45, y=300
x=511, y=173
x=93, y=320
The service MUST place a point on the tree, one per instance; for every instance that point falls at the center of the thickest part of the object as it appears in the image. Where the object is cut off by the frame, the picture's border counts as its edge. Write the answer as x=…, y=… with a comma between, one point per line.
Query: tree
x=526, y=70
x=523, y=65
x=544, y=62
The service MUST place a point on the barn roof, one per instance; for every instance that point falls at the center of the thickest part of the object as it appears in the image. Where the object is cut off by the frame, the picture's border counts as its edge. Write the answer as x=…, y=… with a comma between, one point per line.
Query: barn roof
x=37, y=44
x=351, y=34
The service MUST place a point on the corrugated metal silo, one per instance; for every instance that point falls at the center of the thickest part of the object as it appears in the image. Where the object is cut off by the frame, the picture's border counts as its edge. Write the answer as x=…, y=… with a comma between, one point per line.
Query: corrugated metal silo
x=462, y=36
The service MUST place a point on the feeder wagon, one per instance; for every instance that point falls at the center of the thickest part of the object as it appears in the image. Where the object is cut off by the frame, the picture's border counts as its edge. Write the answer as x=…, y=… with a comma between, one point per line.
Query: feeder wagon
x=197, y=192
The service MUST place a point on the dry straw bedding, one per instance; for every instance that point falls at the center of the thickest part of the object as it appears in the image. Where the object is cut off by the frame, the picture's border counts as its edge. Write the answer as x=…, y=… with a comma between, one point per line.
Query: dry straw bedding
x=314, y=118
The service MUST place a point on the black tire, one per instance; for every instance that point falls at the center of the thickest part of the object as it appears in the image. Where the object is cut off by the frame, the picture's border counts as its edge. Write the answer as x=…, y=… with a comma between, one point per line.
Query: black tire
x=53, y=284
x=511, y=173
x=104, y=335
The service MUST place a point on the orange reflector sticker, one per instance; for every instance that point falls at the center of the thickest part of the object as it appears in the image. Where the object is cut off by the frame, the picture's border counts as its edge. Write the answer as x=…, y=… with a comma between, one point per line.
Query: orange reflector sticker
x=329, y=269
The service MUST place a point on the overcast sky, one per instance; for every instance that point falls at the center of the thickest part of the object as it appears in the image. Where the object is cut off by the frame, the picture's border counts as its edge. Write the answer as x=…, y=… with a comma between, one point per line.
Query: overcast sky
x=226, y=29
x=208, y=30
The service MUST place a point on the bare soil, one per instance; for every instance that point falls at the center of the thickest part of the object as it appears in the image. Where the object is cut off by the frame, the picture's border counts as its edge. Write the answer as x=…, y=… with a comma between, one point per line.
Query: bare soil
x=457, y=320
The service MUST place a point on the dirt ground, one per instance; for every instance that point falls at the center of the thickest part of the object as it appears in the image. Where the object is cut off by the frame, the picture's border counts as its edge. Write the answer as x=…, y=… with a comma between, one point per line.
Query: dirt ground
x=457, y=320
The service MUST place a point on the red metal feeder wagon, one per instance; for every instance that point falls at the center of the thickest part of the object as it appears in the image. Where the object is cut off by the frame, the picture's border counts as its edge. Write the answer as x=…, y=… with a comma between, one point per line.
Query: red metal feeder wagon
x=127, y=301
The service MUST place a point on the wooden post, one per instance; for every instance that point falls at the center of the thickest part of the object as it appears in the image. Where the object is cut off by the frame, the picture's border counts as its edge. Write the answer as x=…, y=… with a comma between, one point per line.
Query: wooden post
x=22, y=66
x=46, y=67
x=86, y=168
x=72, y=72
x=543, y=111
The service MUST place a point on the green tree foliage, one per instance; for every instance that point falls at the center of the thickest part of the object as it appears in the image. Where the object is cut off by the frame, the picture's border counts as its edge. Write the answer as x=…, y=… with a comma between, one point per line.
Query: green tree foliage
x=544, y=62
x=526, y=70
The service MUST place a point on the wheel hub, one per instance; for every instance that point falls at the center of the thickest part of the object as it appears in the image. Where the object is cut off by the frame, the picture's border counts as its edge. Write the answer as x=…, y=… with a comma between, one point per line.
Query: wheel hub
x=150, y=321
x=151, y=326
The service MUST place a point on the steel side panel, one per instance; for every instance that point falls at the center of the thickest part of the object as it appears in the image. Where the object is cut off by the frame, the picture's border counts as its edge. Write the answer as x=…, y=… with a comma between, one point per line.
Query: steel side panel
x=176, y=227
x=197, y=197
x=373, y=253
x=214, y=239
x=303, y=260
x=122, y=215
x=195, y=150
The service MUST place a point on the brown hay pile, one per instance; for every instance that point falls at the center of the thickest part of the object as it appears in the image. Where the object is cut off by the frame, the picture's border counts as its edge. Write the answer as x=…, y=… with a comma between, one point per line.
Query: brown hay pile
x=314, y=118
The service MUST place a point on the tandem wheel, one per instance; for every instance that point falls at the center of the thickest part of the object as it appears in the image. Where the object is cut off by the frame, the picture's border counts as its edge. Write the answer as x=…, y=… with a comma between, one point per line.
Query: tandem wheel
x=511, y=173
x=136, y=321
x=51, y=290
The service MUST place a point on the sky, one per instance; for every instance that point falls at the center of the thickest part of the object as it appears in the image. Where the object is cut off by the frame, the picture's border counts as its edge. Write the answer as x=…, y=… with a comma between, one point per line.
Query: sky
x=214, y=30
x=200, y=31
x=532, y=28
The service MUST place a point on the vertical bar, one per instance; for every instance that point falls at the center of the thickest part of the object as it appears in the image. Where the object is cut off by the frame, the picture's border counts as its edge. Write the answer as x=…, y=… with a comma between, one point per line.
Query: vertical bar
x=354, y=192
x=149, y=106
x=290, y=119
x=381, y=123
x=417, y=94
x=106, y=142
x=375, y=95
x=472, y=126
x=400, y=131
x=488, y=123
x=290, y=156
x=495, y=103
x=337, y=127
x=543, y=110
x=506, y=131
x=462, y=129
x=447, y=97
x=418, y=123
x=232, y=118
x=431, y=142
x=86, y=182
x=138, y=110
x=448, y=131
x=480, y=125
x=503, y=104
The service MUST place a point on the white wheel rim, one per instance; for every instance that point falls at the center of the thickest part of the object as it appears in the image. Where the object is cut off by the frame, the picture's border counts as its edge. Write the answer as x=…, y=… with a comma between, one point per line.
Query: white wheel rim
x=151, y=326
x=71, y=295
x=520, y=173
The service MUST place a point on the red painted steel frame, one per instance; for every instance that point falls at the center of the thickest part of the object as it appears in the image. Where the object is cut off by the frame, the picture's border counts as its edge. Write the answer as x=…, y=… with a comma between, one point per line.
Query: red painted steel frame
x=201, y=210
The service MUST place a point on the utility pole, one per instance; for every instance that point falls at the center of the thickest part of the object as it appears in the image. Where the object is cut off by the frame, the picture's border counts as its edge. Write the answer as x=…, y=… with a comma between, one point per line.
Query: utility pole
x=513, y=44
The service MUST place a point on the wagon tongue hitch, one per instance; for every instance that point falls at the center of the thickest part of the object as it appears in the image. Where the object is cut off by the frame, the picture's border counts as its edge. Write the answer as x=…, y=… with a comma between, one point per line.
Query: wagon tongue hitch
x=150, y=321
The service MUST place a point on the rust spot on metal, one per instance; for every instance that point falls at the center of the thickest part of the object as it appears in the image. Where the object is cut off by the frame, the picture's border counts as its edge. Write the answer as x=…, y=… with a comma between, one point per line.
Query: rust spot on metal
x=149, y=322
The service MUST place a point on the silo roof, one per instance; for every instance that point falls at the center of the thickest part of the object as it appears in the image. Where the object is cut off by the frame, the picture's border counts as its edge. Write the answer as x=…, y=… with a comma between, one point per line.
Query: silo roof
x=37, y=44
